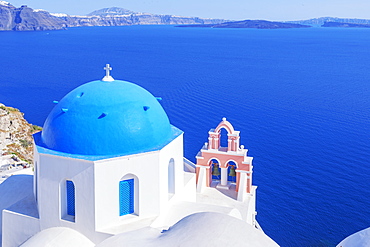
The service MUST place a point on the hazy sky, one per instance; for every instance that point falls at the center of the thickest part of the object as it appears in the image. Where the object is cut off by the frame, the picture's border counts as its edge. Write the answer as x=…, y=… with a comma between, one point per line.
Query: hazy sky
x=226, y=9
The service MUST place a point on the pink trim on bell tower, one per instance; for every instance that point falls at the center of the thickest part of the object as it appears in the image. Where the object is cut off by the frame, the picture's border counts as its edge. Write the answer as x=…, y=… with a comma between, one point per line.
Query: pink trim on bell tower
x=234, y=152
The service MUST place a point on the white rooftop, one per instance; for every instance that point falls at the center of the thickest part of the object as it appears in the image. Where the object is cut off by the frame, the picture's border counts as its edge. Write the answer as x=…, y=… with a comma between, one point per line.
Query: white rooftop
x=200, y=229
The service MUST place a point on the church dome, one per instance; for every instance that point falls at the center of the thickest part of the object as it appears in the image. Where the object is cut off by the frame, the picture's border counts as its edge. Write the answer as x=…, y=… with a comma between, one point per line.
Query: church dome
x=106, y=117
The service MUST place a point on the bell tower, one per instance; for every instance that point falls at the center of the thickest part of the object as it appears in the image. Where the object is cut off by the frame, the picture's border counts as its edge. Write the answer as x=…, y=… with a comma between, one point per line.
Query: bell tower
x=224, y=166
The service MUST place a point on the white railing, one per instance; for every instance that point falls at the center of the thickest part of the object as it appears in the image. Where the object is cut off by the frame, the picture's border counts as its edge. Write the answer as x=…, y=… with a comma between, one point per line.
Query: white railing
x=189, y=166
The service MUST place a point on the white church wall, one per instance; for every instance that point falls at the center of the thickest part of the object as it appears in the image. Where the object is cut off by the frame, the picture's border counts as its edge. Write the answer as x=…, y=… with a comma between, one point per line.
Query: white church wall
x=190, y=187
x=185, y=186
x=251, y=214
x=53, y=172
x=171, y=155
x=18, y=228
x=108, y=174
x=36, y=158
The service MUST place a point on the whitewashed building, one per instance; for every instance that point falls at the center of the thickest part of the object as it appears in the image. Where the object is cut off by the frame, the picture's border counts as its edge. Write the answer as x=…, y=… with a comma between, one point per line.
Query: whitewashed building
x=109, y=162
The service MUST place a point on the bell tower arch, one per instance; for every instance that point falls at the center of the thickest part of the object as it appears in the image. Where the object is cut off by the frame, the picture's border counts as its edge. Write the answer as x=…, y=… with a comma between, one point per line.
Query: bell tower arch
x=234, y=166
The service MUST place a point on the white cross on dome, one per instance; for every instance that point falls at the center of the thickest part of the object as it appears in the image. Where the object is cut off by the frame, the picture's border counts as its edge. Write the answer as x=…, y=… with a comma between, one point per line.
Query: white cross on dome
x=107, y=76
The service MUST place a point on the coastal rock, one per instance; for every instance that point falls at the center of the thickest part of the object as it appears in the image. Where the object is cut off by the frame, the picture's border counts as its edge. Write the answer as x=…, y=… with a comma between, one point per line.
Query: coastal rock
x=16, y=134
x=27, y=19
x=6, y=16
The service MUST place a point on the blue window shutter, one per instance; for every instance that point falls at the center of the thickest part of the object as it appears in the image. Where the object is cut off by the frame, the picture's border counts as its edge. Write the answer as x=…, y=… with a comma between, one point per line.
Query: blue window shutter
x=70, y=198
x=126, y=197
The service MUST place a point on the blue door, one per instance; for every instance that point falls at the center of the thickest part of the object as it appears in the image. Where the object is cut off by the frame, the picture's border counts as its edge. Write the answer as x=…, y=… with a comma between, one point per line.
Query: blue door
x=126, y=197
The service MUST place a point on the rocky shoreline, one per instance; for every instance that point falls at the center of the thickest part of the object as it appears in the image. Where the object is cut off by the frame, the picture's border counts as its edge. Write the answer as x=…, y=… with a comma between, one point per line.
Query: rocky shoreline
x=16, y=141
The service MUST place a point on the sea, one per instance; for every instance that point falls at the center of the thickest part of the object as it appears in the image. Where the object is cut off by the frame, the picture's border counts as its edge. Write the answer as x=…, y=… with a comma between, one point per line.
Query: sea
x=299, y=97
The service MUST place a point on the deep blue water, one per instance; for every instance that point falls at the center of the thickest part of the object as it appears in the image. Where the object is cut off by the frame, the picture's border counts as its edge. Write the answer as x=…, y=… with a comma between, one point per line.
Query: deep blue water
x=300, y=97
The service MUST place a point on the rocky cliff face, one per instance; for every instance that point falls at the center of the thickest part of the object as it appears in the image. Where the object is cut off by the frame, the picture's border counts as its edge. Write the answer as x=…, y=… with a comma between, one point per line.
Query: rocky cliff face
x=27, y=19
x=320, y=21
x=344, y=24
x=90, y=21
x=111, y=11
x=16, y=134
x=6, y=16
x=134, y=19
x=121, y=16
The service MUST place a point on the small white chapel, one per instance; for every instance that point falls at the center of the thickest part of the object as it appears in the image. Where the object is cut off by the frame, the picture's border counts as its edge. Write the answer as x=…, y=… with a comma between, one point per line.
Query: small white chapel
x=109, y=170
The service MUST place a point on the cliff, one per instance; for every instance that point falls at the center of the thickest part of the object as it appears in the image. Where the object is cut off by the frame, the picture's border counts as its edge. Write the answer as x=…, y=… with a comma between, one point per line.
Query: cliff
x=120, y=17
x=16, y=134
x=320, y=21
x=344, y=24
x=27, y=19
x=111, y=11
x=259, y=24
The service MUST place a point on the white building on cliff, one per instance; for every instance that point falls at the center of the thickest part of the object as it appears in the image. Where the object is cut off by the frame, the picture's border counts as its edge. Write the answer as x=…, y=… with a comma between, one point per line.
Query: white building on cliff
x=109, y=169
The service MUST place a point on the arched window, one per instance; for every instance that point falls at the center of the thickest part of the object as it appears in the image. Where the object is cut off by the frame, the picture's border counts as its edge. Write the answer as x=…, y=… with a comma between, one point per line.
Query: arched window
x=223, y=138
x=70, y=189
x=171, y=176
x=126, y=196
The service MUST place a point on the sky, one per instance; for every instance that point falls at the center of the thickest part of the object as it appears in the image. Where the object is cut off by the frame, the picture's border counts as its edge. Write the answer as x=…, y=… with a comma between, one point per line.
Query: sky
x=278, y=10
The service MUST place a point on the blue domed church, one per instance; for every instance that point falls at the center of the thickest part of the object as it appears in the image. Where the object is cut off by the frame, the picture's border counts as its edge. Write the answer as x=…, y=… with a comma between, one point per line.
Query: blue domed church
x=107, y=162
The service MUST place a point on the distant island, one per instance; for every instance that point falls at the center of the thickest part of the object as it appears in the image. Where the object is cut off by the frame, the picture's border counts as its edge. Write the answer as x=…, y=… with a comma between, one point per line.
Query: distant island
x=343, y=24
x=259, y=24
x=322, y=20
